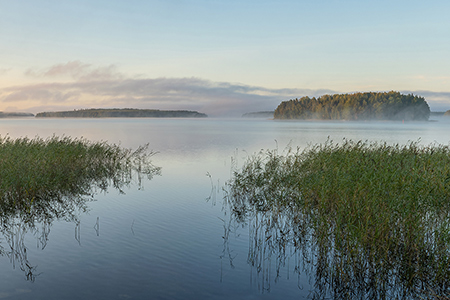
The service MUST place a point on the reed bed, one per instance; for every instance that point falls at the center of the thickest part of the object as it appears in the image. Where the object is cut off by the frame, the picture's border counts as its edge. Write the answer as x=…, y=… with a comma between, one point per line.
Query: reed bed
x=373, y=217
x=46, y=179
x=41, y=175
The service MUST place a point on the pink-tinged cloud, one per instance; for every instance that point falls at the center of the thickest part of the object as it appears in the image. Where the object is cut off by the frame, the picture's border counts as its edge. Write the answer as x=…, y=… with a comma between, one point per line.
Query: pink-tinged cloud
x=105, y=87
x=213, y=98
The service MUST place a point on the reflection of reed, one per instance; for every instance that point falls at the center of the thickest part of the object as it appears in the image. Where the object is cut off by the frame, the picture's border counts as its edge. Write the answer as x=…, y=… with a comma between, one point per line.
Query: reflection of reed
x=226, y=251
x=78, y=232
x=280, y=236
x=97, y=226
x=43, y=235
x=276, y=238
x=212, y=196
x=14, y=235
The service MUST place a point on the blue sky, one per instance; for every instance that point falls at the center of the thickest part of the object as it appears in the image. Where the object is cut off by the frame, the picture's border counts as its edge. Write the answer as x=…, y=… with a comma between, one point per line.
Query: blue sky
x=219, y=57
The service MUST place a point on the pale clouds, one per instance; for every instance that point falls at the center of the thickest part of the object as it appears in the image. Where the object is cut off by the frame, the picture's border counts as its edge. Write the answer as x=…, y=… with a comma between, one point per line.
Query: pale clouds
x=75, y=85
x=4, y=71
x=87, y=91
x=77, y=70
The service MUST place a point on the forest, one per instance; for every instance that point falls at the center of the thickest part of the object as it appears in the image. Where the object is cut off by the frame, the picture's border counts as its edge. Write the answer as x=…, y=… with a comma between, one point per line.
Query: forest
x=258, y=114
x=357, y=106
x=122, y=113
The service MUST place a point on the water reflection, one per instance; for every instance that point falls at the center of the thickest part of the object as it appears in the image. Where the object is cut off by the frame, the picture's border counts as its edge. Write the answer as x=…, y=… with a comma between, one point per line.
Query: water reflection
x=282, y=236
x=62, y=194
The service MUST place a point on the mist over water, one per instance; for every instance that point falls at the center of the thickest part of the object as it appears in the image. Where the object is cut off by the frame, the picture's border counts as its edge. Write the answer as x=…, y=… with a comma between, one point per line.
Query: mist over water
x=172, y=239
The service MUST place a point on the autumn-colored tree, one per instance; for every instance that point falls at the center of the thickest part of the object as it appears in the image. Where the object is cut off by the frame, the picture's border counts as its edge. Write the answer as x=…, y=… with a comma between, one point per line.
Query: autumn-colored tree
x=358, y=106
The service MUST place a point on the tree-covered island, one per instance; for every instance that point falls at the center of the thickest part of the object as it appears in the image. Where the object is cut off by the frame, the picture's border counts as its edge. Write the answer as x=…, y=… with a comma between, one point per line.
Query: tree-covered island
x=358, y=106
x=15, y=114
x=122, y=113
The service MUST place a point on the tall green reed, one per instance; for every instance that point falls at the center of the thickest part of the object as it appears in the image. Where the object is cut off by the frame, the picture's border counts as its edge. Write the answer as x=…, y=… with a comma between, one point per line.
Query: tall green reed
x=375, y=215
x=36, y=171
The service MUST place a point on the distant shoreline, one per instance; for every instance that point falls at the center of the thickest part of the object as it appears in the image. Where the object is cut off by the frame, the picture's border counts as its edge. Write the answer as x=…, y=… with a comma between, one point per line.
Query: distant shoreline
x=15, y=115
x=122, y=113
x=152, y=113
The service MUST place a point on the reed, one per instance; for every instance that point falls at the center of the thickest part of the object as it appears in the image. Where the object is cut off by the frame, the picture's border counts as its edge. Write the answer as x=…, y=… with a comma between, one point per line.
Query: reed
x=42, y=180
x=376, y=215
x=34, y=172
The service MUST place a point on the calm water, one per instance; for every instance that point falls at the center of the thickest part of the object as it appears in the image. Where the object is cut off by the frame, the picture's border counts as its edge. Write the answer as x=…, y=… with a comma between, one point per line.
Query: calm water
x=171, y=240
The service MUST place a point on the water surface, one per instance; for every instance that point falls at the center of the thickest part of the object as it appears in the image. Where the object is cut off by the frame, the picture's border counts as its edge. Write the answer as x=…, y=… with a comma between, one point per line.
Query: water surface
x=171, y=239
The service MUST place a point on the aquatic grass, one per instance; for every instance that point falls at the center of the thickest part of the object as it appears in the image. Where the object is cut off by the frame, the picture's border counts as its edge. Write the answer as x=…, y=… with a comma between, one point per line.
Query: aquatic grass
x=46, y=179
x=376, y=215
x=36, y=171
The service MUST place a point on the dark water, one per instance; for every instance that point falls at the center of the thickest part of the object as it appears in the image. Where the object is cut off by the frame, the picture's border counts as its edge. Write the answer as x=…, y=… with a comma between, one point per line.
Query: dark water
x=173, y=239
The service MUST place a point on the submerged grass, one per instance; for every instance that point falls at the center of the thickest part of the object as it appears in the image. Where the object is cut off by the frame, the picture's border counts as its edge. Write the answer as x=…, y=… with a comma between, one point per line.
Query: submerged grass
x=377, y=215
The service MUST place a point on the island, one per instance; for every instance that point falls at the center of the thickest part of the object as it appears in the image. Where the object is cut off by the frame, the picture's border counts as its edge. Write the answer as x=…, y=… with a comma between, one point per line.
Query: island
x=259, y=114
x=122, y=113
x=439, y=113
x=357, y=106
x=15, y=114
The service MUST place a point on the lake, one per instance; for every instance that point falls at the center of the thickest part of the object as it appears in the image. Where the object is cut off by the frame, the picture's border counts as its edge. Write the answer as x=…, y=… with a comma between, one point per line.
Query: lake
x=172, y=238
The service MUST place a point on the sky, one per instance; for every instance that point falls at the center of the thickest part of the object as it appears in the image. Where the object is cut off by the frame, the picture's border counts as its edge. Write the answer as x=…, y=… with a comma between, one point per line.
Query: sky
x=223, y=58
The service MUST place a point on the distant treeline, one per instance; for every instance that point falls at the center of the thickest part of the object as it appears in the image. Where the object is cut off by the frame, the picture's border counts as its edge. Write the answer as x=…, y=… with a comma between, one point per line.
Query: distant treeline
x=258, y=114
x=14, y=114
x=438, y=113
x=359, y=106
x=122, y=113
